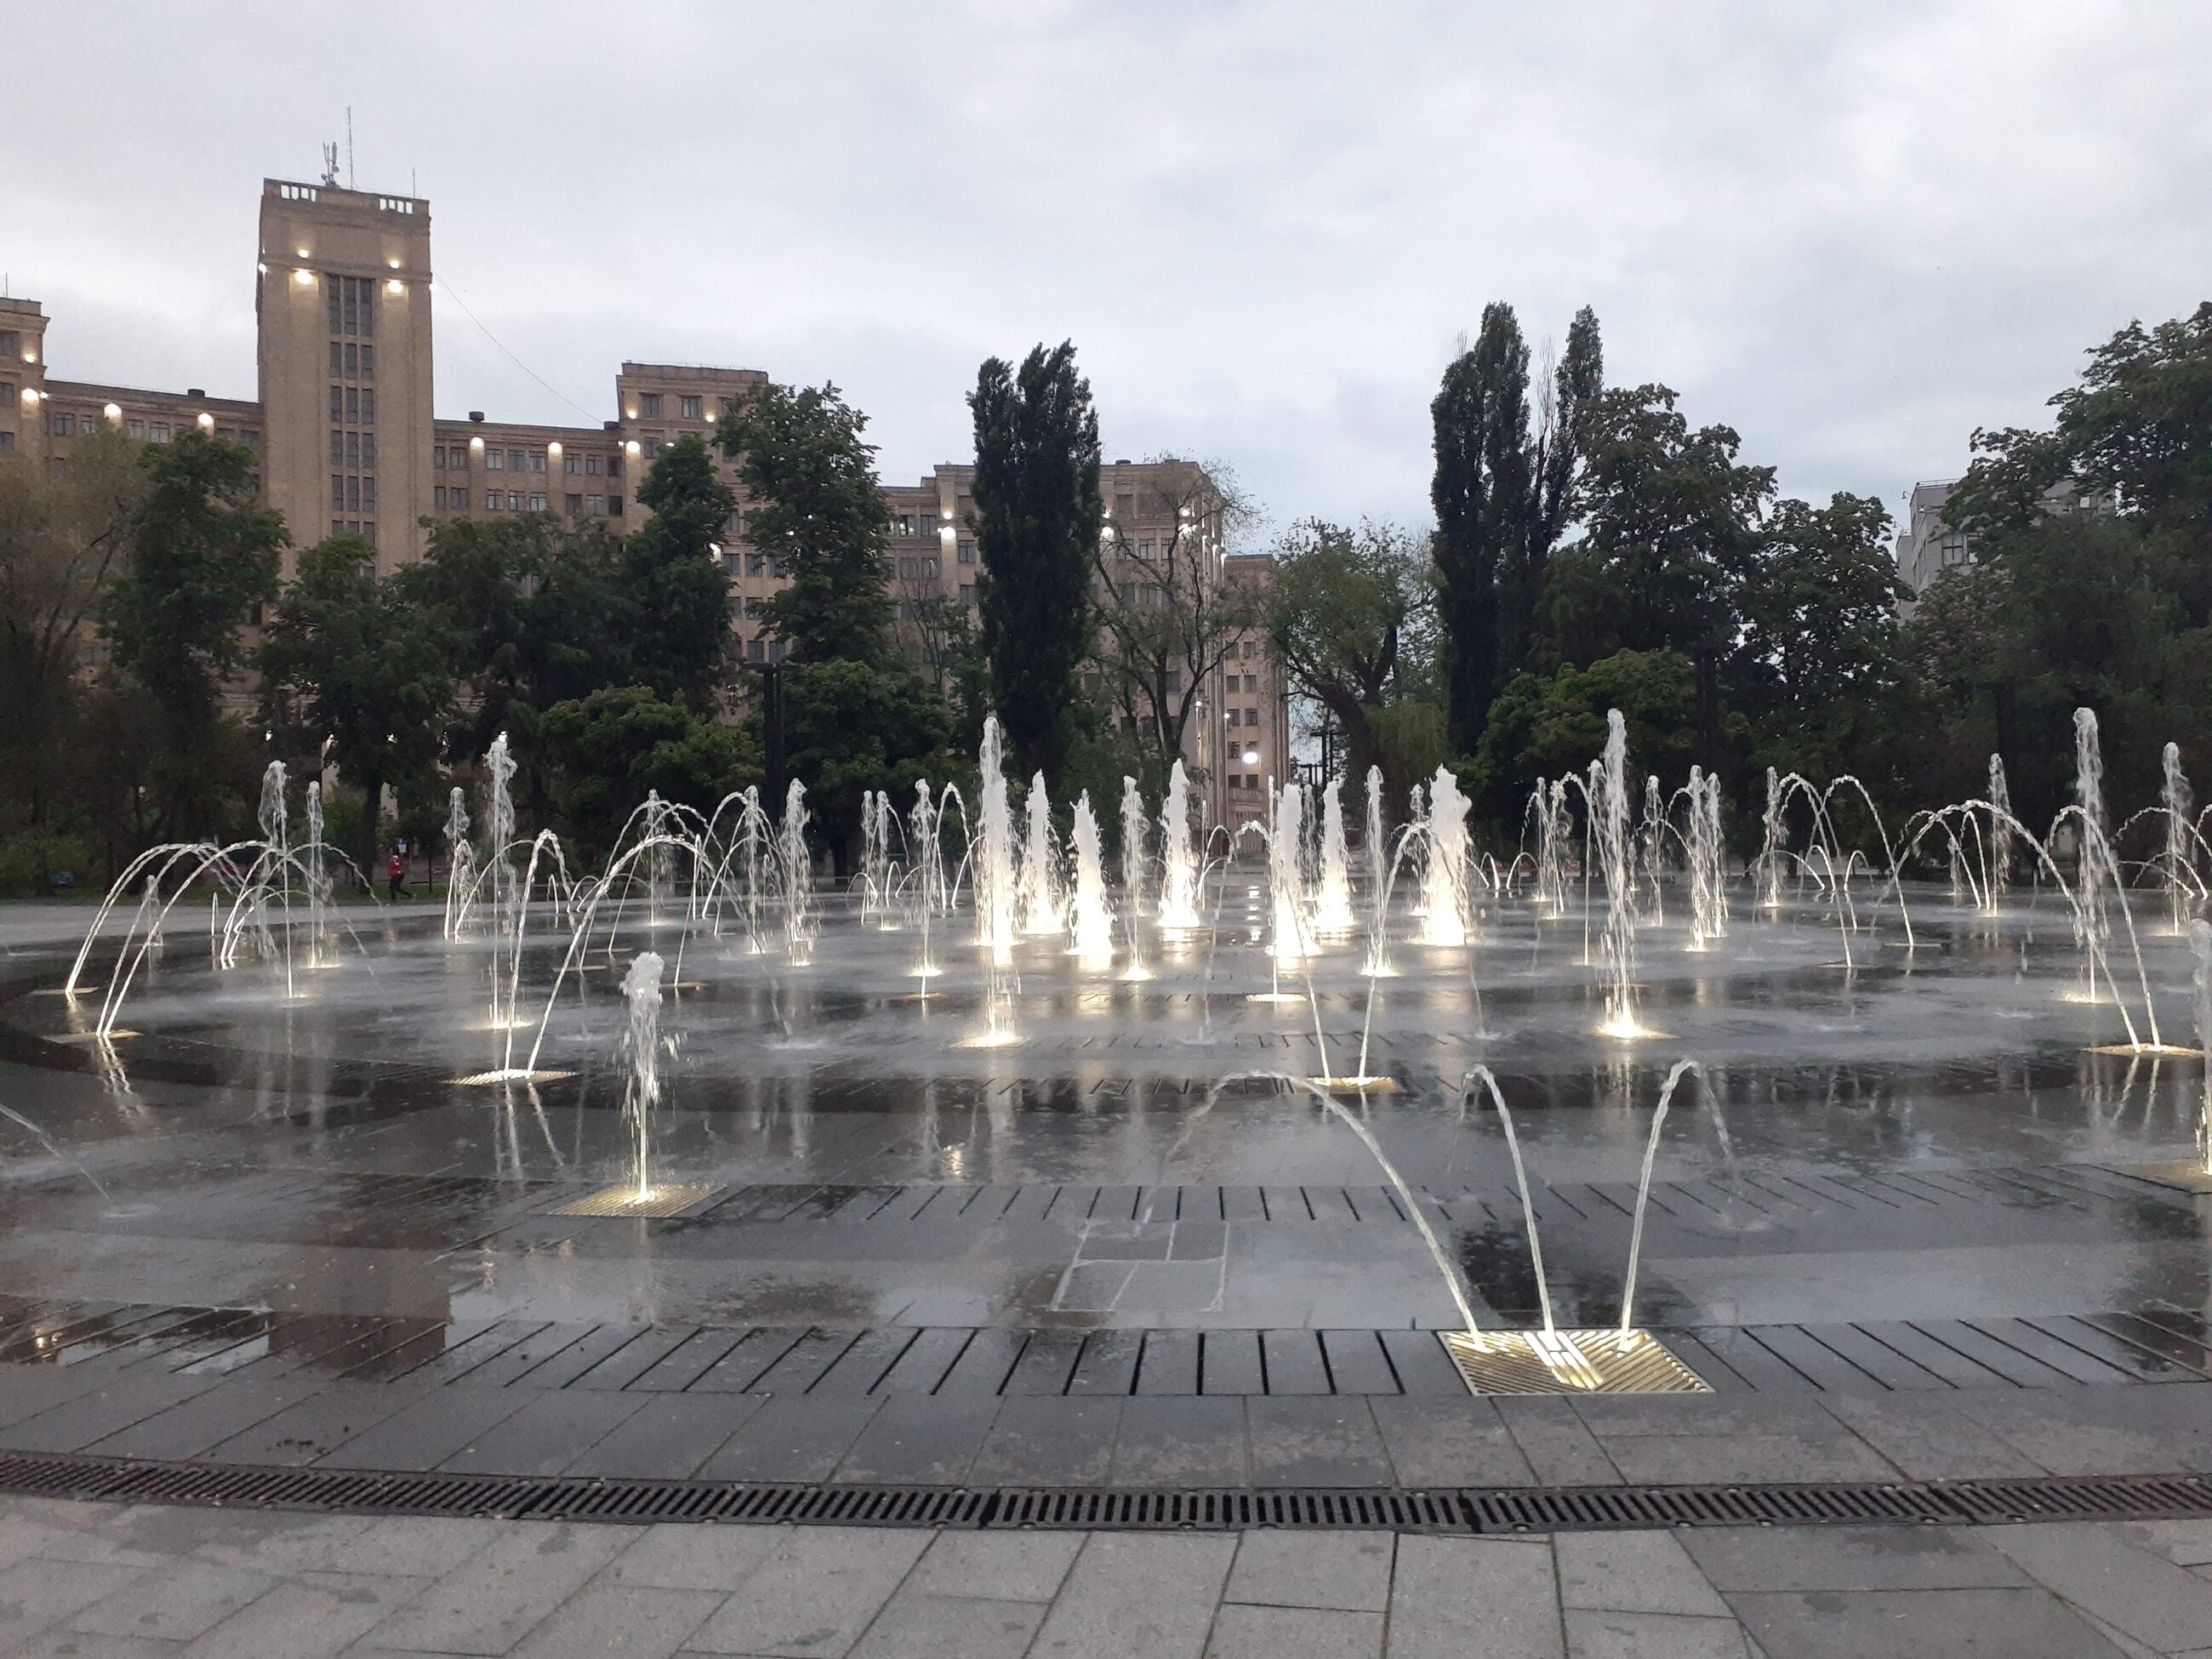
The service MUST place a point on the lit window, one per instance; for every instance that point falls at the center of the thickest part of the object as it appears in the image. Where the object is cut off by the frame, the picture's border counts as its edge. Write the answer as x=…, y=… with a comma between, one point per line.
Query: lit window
x=649, y=405
x=690, y=408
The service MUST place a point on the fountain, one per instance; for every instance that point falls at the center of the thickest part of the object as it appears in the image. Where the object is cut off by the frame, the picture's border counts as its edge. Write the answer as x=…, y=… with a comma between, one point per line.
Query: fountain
x=2001, y=828
x=796, y=861
x=1135, y=824
x=2179, y=862
x=460, y=863
x=1443, y=882
x=1178, y=862
x=1333, y=915
x=1091, y=922
x=1770, y=851
x=1617, y=943
x=1378, y=882
x=1708, y=883
x=993, y=857
x=1290, y=940
x=929, y=876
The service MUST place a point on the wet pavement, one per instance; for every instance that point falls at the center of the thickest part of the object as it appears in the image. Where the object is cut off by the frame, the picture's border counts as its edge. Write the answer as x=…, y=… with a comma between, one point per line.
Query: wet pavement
x=1119, y=1250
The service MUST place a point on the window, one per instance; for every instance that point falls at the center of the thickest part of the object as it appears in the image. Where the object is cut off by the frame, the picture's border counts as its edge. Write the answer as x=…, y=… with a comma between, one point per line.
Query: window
x=338, y=492
x=338, y=447
x=368, y=532
x=460, y=498
x=345, y=449
x=537, y=502
x=515, y=501
x=614, y=506
x=537, y=460
x=572, y=464
x=691, y=410
x=367, y=406
x=368, y=362
x=967, y=552
x=438, y=497
x=652, y=445
x=614, y=466
x=337, y=405
x=351, y=302
x=352, y=493
x=756, y=564
x=158, y=433
x=903, y=524
x=648, y=404
x=352, y=360
x=494, y=460
x=968, y=594
x=7, y=443
x=929, y=569
x=337, y=525
x=337, y=359
x=753, y=651
x=575, y=505
x=1251, y=717
x=493, y=500
x=1232, y=717
x=63, y=424
x=596, y=505
x=517, y=461
x=368, y=494
x=369, y=449
x=11, y=344
x=776, y=651
x=737, y=606
x=594, y=465
x=1247, y=648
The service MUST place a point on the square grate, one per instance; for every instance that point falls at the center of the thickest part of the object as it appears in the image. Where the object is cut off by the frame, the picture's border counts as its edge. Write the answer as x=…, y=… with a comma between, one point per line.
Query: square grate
x=1568, y=1362
x=623, y=1199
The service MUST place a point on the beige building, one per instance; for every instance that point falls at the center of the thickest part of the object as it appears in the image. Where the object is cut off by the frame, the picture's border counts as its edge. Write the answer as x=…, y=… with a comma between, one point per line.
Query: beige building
x=350, y=441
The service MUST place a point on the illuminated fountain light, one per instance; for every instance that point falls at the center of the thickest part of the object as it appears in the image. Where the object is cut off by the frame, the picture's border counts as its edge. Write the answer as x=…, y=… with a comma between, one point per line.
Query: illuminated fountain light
x=1444, y=878
x=1134, y=826
x=1043, y=909
x=1178, y=859
x=1332, y=914
x=1090, y=922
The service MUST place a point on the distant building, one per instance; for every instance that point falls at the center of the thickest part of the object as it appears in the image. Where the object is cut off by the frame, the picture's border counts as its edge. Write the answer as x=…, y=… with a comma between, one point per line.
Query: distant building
x=1926, y=546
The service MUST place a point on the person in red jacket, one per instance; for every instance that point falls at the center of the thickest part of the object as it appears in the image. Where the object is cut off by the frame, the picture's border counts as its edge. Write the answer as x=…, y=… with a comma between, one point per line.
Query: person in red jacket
x=395, y=875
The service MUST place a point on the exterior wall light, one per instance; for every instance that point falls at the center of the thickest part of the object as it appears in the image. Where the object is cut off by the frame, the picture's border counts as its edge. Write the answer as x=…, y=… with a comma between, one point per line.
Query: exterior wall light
x=394, y=264
x=30, y=394
x=1251, y=757
x=634, y=447
x=30, y=354
x=304, y=278
x=476, y=446
x=207, y=422
x=303, y=253
x=114, y=413
x=553, y=449
x=395, y=286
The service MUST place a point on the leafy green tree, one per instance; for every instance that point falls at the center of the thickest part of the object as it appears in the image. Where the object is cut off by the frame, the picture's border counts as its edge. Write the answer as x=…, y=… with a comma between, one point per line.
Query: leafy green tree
x=609, y=748
x=1037, y=518
x=1566, y=422
x=202, y=553
x=351, y=663
x=1484, y=495
x=851, y=726
x=1545, y=725
x=676, y=595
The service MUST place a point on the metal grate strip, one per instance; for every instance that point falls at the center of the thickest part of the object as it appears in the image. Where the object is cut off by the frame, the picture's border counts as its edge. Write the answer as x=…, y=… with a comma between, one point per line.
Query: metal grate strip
x=1449, y=1510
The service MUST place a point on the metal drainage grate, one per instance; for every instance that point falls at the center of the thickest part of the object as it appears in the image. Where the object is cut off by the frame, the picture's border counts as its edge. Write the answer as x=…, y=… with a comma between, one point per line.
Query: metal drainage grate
x=1448, y=1509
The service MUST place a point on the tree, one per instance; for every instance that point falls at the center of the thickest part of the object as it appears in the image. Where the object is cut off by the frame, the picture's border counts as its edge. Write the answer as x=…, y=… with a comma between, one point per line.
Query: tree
x=1168, y=614
x=1548, y=726
x=202, y=553
x=1566, y=419
x=815, y=510
x=1484, y=494
x=611, y=748
x=1343, y=605
x=1037, y=517
x=676, y=594
x=351, y=663
x=59, y=540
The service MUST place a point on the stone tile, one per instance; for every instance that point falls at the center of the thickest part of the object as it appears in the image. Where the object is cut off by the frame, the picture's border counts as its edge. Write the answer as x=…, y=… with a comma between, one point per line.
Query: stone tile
x=1703, y=1416
x=74, y=1644
x=413, y=1546
x=2185, y=1543
x=1455, y=1597
x=1049, y=1440
x=1130, y=1593
x=315, y=1615
x=61, y=1530
x=2097, y=1569
x=1326, y=1440
x=1181, y=1440
x=27, y=1390
x=2048, y=1426
x=277, y=1543
x=1959, y=1623
x=1593, y=1634
x=174, y=1603
x=434, y=1427
x=792, y=1437
x=1926, y=1439
x=316, y=1426
x=920, y=1439
x=629, y=1620
x=669, y=1436
x=1633, y=1572
x=1349, y=1572
x=1818, y=1559
x=1254, y=1632
x=695, y=1557
x=37, y=1593
x=1557, y=1444
x=815, y=1594
x=1440, y=1442
x=937, y=1626
x=1013, y=1566
x=77, y=1423
x=485, y=1605
x=542, y=1437
x=1682, y=1460
x=210, y=1417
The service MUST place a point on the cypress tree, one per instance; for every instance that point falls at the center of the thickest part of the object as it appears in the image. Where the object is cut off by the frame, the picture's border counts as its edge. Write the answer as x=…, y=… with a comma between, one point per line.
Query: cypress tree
x=1037, y=514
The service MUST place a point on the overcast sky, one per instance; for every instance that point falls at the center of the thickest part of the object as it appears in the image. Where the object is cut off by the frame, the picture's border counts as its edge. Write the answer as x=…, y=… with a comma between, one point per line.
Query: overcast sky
x=1852, y=233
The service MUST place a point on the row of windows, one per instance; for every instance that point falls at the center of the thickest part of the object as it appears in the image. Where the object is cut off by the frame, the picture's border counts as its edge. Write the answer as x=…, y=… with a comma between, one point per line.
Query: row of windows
x=917, y=569
x=1251, y=682
x=352, y=304
x=365, y=529
x=353, y=405
x=687, y=409
x=352, y=493
x=763, y=650
x=353, y=362
x=62, y=423
x=353, y=449
x=1251, y=717
x=455, y=498
x=455, y=457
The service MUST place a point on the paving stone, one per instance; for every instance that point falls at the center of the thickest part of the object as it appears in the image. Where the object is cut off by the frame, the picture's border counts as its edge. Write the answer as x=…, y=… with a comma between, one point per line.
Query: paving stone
x=542, y=1437
x=629, y=1620
x=1349, y=1572
x=2097, y=1569
x=1131, y=1594
x=1307, y=1441
x=212, y=1415
x=1633, y=1572
x=174, y=1603
x=1015, y=1566
x=1702, y=1416
x=668, y=1435
x=916, y=1439
x=1455, y=1597
x=1820, y=1559
x=1049, y=1440
x=2048, y=1426
x=936, y=1626
x=273, y=1541
x=485, y=1605
x=314, y=1614
x=412, y=1546
x=1181, y=1440
x=1257, y=1632
x=1682, y=1460
x=437, y=1426
x=77, y=1423
x=791, y=1437
x=1437, y=1441
x=1594, y=1634
x=316, y=1426
x=1557, y=1444
x=1926, y=1439
x=37, y=1593
x=27, y=1390
x=76, y=1644
x=1959, y=1623
x=684, y=1556
x=815, y=1594
x=2185, y=1543
x=57, y=1529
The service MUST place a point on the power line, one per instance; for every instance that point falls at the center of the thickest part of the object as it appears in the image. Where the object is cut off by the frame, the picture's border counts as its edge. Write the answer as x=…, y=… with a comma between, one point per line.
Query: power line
x=511, y=357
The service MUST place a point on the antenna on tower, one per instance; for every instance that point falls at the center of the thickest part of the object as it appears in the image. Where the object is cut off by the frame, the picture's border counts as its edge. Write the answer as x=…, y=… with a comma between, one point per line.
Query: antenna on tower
x=350, y=182
x=330, y=165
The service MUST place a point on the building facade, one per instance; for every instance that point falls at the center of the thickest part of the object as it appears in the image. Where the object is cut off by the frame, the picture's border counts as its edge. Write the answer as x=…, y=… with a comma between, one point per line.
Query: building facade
x=347, y=430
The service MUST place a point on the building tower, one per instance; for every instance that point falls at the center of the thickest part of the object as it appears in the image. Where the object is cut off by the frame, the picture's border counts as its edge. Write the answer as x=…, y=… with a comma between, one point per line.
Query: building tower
x=344, y=310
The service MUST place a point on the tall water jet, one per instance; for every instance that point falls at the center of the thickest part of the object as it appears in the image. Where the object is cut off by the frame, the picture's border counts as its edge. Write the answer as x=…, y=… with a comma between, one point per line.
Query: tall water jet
x=2200, y=947
x=1333, y=914
x=929, y=871
x=796, y=861
x=275, y=864
x=993, y=860
x=499, y=829
x=2093, y=926
x=1043, y=910
x=1178, y=859
x=1617, y=943
x=2175, y=796
x=1091, y=922
x=1999, y=875
x=871, y=854
x=460, y=862
x=1708, y=885
x=1443, y=878
x=1651, y=851
x=1290, y=940
x=1134, y=826
x=1378, y=882
x=641, y=989
x=1554, y=832
x=653, y=822
x=1770, y=851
